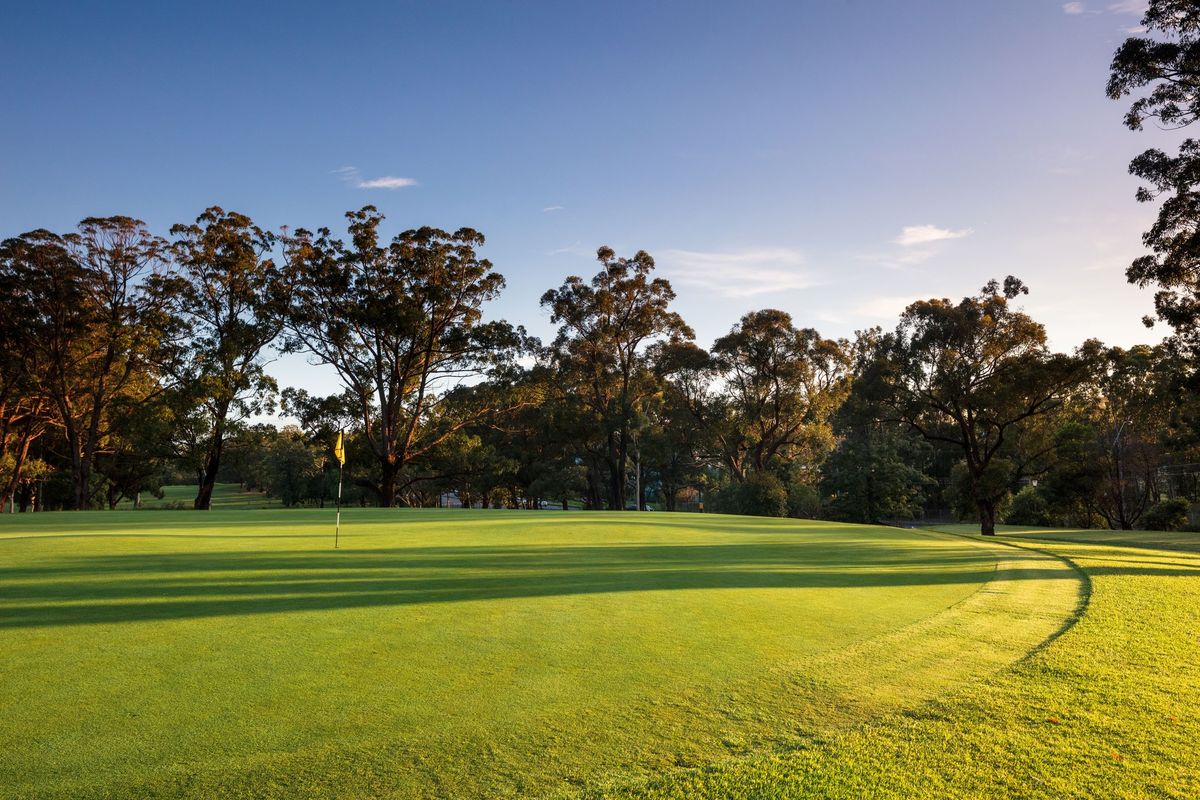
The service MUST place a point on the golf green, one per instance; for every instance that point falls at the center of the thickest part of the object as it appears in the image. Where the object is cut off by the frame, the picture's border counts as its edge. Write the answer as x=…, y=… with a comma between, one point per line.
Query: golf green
x=474, y=653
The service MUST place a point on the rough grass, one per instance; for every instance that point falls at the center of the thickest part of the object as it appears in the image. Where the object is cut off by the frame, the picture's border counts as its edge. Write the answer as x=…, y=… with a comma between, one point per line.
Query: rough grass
x=482, y=654
x=1111, y=708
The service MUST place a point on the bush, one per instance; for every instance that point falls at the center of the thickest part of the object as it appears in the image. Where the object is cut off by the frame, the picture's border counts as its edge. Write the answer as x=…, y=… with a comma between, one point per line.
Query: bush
x=1169, y=515
x=803, y=501
x=763, y=495
x=760, y=495
x=1029, y=507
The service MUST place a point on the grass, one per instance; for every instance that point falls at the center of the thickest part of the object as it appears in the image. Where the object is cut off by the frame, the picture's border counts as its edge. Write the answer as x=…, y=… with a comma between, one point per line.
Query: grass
x=486, y=653
x=225, y=496
x=1107, y=709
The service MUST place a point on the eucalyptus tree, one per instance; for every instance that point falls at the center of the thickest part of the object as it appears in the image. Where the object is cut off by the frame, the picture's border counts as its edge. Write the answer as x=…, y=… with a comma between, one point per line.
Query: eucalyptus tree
x=223, y=296
x=976, y=375
x=401, y=324
x=782, y=385
x=1161, y=68
x=85, y=329
x=764, y=396
x=605, y=326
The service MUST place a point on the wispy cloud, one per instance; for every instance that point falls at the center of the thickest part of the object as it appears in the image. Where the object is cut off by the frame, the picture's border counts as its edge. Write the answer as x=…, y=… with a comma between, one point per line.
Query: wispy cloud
x=743, y=273
x=886, y=307
x=1134, y=7
x=352, y=176
x=924, y=234
x=575, y=249
x=1137, y=7
x=548, y=209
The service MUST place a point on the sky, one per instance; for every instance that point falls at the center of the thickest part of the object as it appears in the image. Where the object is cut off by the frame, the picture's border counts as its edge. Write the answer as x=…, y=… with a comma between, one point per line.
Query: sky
x=834, y=159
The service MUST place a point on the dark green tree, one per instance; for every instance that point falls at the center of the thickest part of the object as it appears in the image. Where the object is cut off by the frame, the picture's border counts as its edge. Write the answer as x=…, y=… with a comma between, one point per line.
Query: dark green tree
x=222, y=296
x=401, y=323
x=976, y=375
x=605, y=326
x=1161, y=67
x=86, y=330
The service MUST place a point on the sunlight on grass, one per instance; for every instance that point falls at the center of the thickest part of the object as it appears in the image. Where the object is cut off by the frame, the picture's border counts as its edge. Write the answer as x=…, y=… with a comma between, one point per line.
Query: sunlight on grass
x=1105, y=710
x=473, y=653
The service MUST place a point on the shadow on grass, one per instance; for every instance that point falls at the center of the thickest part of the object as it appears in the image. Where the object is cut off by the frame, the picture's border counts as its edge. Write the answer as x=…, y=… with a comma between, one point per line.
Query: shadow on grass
x=137, y=587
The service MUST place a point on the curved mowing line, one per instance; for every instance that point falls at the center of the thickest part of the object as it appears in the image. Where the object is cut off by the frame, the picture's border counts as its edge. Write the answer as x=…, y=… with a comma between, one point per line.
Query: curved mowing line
x=1008, y=609
x=1019, y=610
x=1085, y=586
x=1009, y=618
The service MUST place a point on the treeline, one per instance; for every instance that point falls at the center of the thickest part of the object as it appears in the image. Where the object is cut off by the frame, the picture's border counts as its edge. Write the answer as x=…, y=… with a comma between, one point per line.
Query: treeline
x=130, y=360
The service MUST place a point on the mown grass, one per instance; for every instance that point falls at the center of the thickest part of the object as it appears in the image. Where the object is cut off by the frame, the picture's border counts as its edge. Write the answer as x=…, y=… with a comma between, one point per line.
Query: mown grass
x=475, y=654
x=1109, y=709
x=226, y=496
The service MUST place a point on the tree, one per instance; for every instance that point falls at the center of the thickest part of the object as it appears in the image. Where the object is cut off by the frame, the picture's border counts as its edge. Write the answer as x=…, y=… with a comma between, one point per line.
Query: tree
x=782, y=385
x=599, y=352
x=400, y=324
x=976, y=375
x=222, y=295
x=765, y=394
x=874, y=474
x=1128, y=416
x=290, y=468
x=23, y=412
x=84, y=326
x=1169, y=67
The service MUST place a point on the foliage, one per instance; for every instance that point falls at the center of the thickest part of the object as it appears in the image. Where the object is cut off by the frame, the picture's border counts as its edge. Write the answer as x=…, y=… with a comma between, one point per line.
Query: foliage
x=221, y=295
x=400, y=323
x=975, y=375
x=81, y=329
x=599, y=354
x=290, y=468
x=1028, y=507
x=1168, y=515
x=1161, y=68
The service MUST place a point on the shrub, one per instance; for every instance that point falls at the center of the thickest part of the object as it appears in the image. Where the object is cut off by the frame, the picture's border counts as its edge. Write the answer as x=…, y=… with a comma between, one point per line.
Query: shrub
x=1028, y=507
x=763, y=495
x=1169, y=515
x=803, y=501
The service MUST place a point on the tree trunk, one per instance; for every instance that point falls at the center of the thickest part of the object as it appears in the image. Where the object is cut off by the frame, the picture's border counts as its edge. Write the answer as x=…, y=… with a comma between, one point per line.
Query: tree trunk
x=987, y=518
x=594, y=502
x=616, y=474
x=387, y=483
x=208, y=477
x=80, y=496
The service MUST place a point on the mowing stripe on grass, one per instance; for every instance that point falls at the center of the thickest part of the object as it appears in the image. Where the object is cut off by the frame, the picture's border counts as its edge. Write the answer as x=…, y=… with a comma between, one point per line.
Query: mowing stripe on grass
x=472, y=654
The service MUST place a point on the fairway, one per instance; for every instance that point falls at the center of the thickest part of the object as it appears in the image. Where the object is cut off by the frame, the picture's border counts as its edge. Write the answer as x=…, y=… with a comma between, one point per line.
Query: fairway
x=475, y=653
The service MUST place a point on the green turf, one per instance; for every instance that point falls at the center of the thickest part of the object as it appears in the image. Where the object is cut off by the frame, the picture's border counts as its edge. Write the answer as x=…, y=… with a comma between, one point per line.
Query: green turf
x=1109, y=709
x=475, y=654
x=181, y=497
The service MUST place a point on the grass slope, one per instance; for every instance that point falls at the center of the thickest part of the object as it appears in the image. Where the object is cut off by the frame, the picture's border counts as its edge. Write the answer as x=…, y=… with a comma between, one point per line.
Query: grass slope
x=1108, y=709
x=458, y=653
x=225, y=496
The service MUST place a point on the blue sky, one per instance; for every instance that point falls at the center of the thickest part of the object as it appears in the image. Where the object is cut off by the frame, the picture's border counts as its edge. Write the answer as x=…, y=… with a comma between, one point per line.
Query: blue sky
x=833, y=159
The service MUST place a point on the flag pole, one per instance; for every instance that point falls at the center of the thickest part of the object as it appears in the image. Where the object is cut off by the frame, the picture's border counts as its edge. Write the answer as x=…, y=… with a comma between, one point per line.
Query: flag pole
x=337, y=526
x=339, y=453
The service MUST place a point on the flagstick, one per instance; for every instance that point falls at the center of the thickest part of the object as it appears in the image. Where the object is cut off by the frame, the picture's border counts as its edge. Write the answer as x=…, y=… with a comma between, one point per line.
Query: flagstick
x=337, y=528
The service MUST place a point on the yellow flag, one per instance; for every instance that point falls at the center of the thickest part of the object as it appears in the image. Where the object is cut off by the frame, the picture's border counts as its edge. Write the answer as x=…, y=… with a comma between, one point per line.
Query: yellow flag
x=339, y=450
